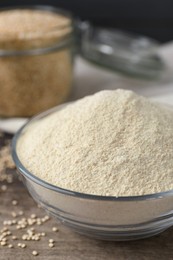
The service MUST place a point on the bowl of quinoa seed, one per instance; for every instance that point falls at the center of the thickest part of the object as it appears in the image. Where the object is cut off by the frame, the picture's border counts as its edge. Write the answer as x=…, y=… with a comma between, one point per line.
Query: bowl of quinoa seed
x=36, y=49
x=103, y=165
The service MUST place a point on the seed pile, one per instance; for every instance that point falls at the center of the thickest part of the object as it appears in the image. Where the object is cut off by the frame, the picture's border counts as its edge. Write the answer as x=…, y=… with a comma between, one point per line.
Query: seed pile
x=113, y=143
x=31, y=32
x=46, y=78
x=5, y=162
x=20, y=229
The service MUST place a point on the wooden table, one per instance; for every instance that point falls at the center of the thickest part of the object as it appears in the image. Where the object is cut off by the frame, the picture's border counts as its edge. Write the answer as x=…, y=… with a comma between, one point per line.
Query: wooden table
x=69, y=245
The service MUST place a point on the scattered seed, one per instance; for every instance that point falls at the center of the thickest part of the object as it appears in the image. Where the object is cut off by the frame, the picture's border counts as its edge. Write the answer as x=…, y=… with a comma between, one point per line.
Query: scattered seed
x=51, y=245
x=3, y=243
x=14, y=215
x=9, y=179
x=4, y=229
x=4, y=187
x=21, y=213
x=23, y=245
x=24, y=237
x=20, y=223
x=9, y=222
x=47, y=217
x=23, y=226
x=14, y=202
x=35, y=253
x=54, y=229
x=18, y=227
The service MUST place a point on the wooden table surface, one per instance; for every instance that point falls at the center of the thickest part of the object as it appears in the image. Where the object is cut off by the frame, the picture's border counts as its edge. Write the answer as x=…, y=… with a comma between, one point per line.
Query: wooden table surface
x=69, y=245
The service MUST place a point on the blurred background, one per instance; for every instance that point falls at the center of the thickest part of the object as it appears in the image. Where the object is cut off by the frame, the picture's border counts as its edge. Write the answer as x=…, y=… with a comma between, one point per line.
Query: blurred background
x=103, y=59
x=152, y=18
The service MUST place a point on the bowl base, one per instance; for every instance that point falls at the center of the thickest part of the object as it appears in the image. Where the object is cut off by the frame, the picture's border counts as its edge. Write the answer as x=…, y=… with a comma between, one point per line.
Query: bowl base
x=121, y=237
x=116, y=235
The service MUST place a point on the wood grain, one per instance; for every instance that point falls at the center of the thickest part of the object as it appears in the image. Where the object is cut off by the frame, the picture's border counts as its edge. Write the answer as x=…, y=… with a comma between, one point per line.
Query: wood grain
x=72, y=246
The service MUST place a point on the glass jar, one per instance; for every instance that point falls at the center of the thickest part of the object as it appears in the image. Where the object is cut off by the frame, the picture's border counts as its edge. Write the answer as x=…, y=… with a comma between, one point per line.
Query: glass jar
x=36, y=49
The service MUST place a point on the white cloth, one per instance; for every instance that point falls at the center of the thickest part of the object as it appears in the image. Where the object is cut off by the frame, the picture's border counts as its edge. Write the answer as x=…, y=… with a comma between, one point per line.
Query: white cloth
x=90, y=79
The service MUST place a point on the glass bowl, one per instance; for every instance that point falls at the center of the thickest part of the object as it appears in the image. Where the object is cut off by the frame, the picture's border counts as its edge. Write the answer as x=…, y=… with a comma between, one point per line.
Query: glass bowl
x=101, y=217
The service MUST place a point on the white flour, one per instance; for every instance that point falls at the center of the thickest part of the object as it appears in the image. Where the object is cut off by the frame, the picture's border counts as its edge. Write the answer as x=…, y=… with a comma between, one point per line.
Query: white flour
x=112, y=143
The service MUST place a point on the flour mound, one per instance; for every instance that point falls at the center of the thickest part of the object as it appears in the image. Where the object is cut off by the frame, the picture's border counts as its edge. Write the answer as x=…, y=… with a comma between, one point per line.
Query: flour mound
x=113, y=143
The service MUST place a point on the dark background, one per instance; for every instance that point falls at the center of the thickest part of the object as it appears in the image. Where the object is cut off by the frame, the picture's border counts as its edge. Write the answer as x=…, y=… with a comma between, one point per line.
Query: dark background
x=153, y=18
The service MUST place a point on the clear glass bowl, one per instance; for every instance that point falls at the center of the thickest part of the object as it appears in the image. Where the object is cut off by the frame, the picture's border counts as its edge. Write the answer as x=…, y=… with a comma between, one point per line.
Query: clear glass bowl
x=135, y=55
x=108, y=218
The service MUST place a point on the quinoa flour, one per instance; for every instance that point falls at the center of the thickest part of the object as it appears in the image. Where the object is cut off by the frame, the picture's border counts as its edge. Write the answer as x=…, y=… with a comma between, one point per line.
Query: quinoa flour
x=113, y=143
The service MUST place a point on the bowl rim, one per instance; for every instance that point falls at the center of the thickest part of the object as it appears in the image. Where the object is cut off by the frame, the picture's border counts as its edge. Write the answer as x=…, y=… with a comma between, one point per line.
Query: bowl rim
x=27, y=174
